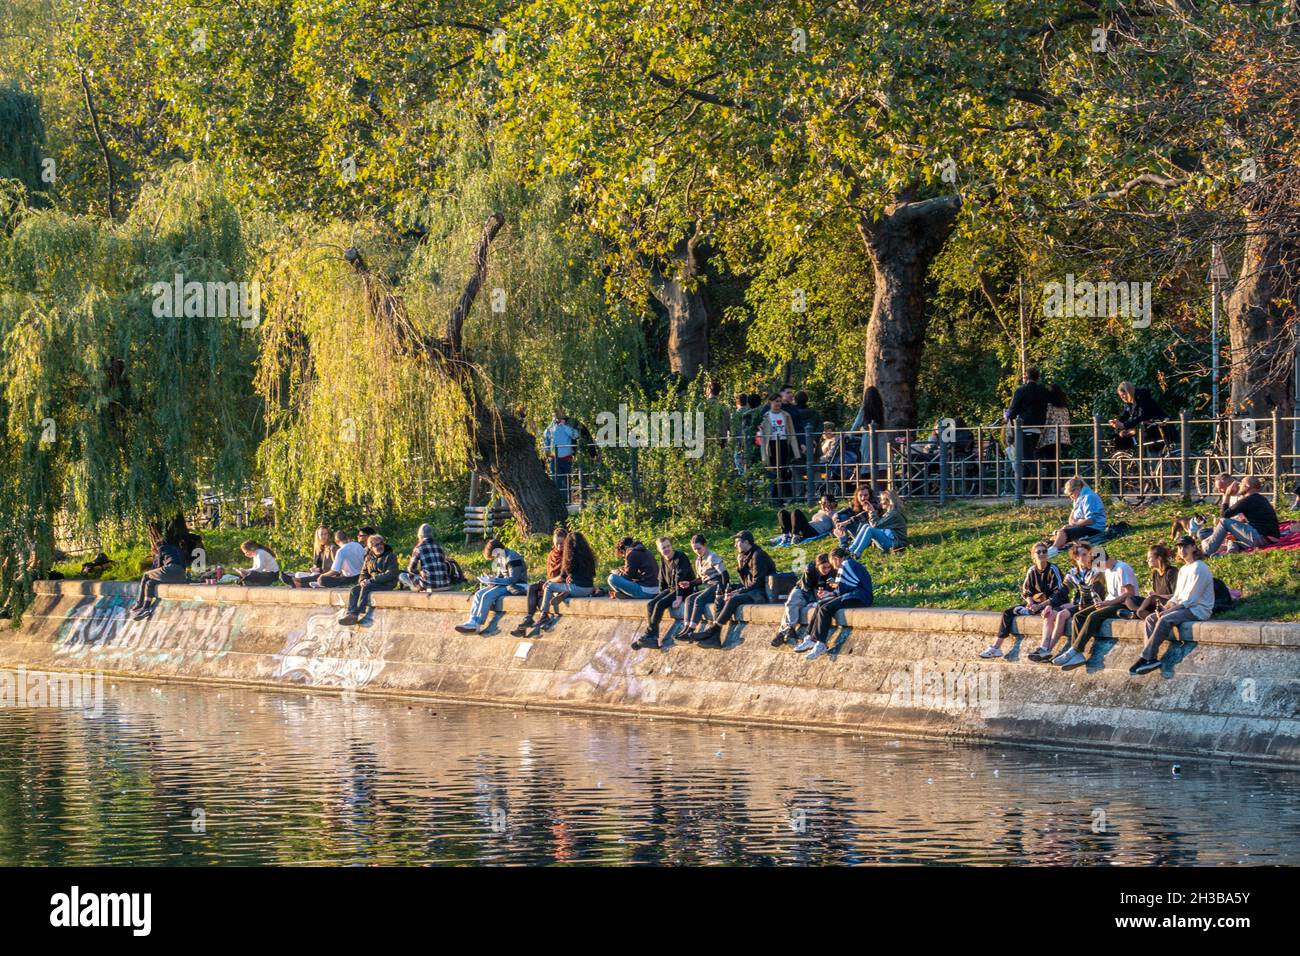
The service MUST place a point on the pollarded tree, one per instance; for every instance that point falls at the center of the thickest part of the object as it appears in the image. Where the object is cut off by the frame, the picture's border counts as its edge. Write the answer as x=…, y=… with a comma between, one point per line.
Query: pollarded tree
x=119, y=402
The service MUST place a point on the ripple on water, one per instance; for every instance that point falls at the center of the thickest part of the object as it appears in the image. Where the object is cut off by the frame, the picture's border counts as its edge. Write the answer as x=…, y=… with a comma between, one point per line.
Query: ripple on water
x=202, y=775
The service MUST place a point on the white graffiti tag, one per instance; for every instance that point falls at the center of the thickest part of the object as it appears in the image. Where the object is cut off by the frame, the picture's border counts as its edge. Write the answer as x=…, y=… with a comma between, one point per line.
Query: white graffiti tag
x=324, y=654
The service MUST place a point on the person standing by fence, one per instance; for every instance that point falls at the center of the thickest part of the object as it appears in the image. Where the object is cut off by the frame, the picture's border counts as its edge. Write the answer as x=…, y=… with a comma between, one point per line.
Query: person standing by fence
x=560, y=444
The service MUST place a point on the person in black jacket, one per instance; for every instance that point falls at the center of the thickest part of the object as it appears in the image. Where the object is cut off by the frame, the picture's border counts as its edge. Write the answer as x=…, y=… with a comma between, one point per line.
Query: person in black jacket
x=638, y=577
x=754, y=567
x=378, y=573
x=1042, y=580
x=1259, y=527
x=816, y=584
x=168, y=568
x=1139, y=412
x=676, y=581
x=1029, y=404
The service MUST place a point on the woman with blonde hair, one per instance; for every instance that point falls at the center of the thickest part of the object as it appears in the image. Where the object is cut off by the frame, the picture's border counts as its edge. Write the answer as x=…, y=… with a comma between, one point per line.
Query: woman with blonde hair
x=322, y=559
x=887, y=529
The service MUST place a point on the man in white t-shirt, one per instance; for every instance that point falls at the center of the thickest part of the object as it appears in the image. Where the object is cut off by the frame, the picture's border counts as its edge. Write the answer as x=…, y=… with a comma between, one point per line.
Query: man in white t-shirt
x=1192, y=600
x=1121, y=584
x=345, y=570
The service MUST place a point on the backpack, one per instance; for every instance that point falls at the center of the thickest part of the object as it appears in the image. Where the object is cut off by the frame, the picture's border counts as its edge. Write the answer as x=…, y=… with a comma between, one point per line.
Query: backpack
x=454, y=574
x=1223, y=600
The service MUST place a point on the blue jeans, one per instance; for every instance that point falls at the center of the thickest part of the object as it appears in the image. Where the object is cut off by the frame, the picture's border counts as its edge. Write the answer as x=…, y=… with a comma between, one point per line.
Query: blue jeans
x=630, y=588
x=560, y=470
x=484, y=598
x=882, y=538
x=1240, y=530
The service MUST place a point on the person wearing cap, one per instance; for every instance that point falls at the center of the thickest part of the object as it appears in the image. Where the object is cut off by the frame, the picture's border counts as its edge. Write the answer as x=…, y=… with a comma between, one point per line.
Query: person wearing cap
x=1193, y=600
x=754, y=567
x=676, y=582
x=639, y=575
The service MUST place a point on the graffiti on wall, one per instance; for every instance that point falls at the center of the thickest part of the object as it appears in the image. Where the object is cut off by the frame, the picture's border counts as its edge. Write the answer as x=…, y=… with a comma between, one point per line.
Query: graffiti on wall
x=323, y=653
x=612, y=670
x=181, y=631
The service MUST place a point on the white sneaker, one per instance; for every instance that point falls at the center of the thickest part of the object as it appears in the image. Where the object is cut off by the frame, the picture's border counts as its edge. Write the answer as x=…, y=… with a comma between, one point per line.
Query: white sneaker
x=991, y=651
x=817, y=650
x=807, y=644
x=1052, y=551
x=1074, y=660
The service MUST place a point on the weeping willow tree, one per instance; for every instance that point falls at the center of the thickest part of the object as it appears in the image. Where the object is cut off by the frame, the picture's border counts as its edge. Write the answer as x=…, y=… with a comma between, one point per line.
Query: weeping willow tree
x=436, y=347
x=115, y=412
x=22, y=135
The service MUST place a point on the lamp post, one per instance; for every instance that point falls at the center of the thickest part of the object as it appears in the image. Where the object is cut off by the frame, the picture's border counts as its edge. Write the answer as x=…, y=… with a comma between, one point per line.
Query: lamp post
x=1218, y=275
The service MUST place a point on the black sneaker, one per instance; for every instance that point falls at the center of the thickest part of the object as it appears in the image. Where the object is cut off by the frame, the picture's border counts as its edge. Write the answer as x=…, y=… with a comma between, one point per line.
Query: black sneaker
x=648, y=641
x=686, y=637
x=546, y=620
x=347, y=620
x=710, y=638
x=1040, y=656
x=781, y=638
x=1144, y=666
x=292, y=582
x=523, y=628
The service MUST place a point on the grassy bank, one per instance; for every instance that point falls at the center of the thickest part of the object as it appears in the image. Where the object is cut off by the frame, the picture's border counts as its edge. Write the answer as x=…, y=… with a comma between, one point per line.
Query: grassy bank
x=961, y=555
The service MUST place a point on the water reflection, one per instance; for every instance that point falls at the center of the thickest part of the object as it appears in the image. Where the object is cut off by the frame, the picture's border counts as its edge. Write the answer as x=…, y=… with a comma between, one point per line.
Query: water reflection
x=189, y=775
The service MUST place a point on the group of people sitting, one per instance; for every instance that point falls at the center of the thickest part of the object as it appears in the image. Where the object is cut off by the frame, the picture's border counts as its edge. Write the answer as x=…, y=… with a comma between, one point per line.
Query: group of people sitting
x=868, y=520
x=1099, y=587
x=702, y=588
x=364, y=564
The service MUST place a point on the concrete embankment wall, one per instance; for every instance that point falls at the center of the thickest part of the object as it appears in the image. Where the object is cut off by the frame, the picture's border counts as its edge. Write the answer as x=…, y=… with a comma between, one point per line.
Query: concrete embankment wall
x=1231, y=692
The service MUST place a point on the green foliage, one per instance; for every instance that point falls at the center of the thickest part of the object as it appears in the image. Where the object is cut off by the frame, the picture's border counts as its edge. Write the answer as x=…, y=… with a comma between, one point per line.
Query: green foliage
x=114, y=415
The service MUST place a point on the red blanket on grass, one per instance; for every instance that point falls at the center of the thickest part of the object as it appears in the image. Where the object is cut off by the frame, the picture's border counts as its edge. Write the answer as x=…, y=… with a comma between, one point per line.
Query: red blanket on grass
x=1290, y=540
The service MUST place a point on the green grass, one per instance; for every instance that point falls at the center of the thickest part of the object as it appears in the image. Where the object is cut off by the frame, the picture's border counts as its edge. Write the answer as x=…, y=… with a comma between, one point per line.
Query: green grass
x=959, y=556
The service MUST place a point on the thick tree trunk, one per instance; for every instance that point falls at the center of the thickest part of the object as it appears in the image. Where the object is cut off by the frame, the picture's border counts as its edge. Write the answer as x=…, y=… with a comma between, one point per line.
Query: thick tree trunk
x=506, y=452
x=507, y=457
x=902, y=245
x=1261, y=327
x=674, y=285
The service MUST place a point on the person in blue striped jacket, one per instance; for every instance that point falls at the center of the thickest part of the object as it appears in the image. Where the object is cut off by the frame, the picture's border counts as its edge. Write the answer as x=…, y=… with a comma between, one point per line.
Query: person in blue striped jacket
x=852, y=589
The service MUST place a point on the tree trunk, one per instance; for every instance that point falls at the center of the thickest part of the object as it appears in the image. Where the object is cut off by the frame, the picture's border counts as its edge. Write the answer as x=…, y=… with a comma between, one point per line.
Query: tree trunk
x=902, y=245
x=688, y=317
x=1261, y=328
x=507, y=457
x=506, y=452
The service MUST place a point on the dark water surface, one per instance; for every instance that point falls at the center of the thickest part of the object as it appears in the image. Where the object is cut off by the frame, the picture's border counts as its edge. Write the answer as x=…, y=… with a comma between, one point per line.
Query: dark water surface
x=194, y=775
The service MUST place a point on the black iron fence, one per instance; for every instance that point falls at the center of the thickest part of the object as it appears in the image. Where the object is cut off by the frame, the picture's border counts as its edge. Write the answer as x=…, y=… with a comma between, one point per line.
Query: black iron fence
x=1177, y=458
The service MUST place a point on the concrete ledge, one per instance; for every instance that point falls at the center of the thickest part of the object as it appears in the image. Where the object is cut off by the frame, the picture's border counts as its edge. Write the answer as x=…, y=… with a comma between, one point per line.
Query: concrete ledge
x=1231, y=694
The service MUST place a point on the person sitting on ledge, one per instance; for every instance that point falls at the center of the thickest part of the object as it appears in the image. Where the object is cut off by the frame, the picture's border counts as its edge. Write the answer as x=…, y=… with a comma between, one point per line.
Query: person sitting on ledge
x=676, y=582
x=886, y=530
x=1087, y=517
x=754, y=566
x=817, y=584
x=378, y=573
x=1078, y=593
x=265, y=569
x=428, y=569
x=1260, y=526
x=323, y=550
x=509, y=576
x=578, y=568
x=345, y=569
x=1121, y=587
x=1193, y=600
x=1164, y=579
x=1042, y=580
x=554, y=573
x=712, y=575
x=168, y=568
x=852, y=589
x=639, y=576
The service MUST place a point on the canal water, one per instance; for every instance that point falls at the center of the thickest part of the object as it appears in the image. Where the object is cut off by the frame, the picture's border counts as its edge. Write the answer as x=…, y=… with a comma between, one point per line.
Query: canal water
x=183, y=774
